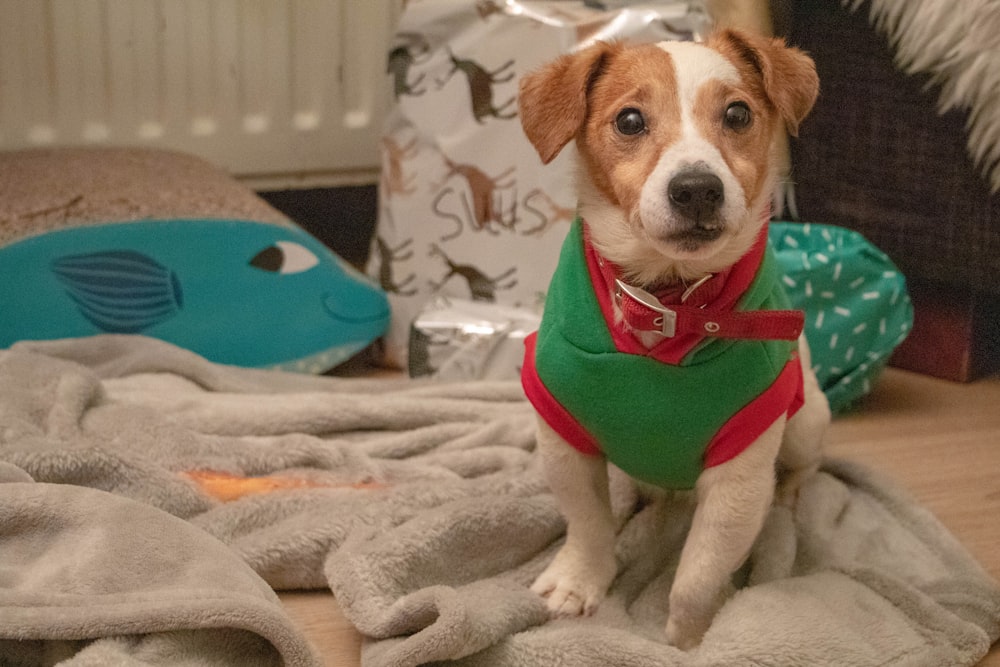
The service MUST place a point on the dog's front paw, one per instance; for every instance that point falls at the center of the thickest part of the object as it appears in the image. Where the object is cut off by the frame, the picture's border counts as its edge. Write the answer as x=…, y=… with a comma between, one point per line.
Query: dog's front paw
x=685, y=634
x=574, y=586
x=689, y=618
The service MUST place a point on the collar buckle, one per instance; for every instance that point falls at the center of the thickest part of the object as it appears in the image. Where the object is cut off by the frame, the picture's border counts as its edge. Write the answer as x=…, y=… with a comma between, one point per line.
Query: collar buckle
x=666, y=321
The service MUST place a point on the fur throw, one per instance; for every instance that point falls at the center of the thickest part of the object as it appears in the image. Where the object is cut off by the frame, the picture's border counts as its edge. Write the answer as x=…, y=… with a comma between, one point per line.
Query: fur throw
x=957, y=43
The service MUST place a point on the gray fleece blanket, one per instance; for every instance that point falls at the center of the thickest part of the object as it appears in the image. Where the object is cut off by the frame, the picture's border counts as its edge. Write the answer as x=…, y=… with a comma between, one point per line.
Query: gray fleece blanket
x=423, y=508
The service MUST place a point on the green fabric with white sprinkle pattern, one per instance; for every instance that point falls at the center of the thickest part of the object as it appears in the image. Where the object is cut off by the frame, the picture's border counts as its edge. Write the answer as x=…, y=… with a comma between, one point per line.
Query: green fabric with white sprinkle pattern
x=855, y=300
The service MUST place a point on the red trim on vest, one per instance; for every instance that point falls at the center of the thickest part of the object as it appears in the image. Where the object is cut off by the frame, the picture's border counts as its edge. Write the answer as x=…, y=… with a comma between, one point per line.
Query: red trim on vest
x=551, y=410
x=784, y=397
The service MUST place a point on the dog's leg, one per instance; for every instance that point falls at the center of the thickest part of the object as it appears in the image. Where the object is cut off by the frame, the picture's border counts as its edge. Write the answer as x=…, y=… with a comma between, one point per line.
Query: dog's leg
x=733, y=500
x=579, y=576
x=802, y=447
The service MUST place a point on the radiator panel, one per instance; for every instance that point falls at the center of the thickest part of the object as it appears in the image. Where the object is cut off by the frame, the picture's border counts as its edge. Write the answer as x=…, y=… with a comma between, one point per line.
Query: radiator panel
x=261, y=87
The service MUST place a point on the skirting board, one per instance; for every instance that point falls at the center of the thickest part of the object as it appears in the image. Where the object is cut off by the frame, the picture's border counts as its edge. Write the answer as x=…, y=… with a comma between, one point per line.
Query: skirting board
x=954, y=334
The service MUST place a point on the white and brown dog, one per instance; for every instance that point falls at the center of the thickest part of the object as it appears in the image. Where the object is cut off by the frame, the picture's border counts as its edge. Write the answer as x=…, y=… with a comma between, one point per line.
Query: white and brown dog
x=666, y=346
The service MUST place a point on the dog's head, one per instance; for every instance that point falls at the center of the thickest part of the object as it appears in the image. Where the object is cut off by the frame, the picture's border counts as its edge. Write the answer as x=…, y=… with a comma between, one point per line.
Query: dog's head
x=677, y=143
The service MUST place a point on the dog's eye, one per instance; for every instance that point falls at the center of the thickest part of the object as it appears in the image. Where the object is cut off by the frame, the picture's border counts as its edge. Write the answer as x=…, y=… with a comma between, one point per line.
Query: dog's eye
x=630, y=121
x=738, y=116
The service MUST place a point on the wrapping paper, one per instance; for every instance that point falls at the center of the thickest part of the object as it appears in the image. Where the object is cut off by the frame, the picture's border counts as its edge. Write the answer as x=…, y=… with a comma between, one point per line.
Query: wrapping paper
x=467, y=209
x=459, y=339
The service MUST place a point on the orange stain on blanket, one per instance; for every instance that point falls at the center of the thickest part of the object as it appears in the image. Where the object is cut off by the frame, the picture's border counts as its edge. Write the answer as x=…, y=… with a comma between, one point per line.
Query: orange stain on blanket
x=227, y=487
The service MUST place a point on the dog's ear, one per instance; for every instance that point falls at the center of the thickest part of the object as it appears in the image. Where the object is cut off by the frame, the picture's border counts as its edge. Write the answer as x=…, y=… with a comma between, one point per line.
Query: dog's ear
x=789, y=75
x=552, y=100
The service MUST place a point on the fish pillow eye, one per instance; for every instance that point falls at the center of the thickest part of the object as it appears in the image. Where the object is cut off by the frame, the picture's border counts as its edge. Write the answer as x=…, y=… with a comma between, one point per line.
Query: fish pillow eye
x=234, y=291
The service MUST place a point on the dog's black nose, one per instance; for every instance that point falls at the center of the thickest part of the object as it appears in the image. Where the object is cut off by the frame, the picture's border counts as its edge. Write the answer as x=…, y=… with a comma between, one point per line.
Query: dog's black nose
x=696, y=194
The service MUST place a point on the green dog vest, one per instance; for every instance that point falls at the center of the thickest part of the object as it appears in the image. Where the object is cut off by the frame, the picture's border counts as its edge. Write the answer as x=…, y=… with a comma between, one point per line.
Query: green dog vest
x=663, y=414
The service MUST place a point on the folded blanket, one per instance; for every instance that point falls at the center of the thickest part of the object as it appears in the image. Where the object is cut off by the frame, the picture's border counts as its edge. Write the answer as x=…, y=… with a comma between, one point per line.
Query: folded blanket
x=79, y=564
x=423, y=508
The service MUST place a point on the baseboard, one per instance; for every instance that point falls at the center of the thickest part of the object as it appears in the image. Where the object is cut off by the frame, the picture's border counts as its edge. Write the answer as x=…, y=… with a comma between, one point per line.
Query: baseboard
x=955, y=335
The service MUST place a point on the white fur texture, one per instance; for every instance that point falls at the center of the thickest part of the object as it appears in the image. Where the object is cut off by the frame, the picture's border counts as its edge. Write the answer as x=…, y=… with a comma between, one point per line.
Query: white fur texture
x=956, y=42
x=694, y=64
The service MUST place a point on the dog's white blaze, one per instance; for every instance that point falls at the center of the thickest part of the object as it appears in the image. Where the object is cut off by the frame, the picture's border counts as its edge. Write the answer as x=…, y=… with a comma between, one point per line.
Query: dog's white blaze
x=694, y=64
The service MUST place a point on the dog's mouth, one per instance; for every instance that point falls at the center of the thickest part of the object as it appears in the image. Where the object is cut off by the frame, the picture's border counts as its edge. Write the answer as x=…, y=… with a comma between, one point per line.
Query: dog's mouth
x=700, y=232
x=685, y=239
x=696, y=236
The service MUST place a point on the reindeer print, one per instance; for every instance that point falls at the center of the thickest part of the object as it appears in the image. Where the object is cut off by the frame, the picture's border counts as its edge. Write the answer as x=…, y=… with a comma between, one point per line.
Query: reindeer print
x=481, y=82
x=558, y=213
x=401, y=61
x=389, y=256
x=393, y=181
x=485, y=211
x=481, y=286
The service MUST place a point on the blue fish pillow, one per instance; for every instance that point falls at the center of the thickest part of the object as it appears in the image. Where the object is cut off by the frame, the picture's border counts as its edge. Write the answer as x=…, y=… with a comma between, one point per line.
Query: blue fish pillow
x=234, y=291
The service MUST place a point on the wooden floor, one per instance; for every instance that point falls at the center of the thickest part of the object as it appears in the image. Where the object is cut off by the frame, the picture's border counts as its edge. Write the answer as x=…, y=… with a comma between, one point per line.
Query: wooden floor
x=938, y=439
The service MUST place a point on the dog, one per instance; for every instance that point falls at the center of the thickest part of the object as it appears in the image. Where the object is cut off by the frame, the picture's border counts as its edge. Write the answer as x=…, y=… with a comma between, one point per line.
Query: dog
x=666, y=345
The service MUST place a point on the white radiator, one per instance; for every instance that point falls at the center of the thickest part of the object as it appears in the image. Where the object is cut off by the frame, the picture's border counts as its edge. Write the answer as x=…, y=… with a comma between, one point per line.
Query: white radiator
x=277, y=91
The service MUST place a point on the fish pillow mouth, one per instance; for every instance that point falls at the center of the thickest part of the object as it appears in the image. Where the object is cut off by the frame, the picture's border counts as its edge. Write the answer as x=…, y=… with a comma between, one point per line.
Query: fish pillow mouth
x=238, y=292
x=351, y=307
x=366, y=312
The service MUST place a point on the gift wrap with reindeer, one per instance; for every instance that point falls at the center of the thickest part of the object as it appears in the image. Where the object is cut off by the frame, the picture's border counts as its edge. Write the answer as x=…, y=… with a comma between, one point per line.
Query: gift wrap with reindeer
x=467, y=210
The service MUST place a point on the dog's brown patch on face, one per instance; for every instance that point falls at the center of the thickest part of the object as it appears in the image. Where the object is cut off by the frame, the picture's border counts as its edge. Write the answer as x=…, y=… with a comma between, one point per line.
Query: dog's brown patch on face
x=746, y=150
x=640, y=78
x=778, y=84
x=784, y=77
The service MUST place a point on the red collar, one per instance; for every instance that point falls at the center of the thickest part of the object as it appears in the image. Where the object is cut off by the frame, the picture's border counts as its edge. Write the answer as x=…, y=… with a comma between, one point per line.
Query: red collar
x=707, y=310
